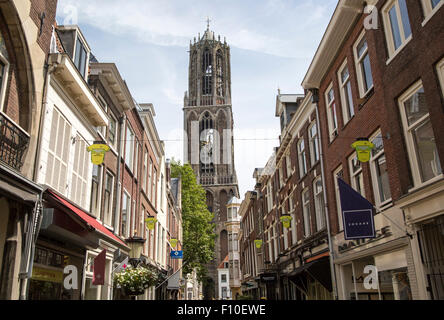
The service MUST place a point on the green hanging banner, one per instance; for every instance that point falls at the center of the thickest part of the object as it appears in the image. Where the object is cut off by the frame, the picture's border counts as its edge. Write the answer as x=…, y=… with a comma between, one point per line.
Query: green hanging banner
x=363, y=149
x=286, y=221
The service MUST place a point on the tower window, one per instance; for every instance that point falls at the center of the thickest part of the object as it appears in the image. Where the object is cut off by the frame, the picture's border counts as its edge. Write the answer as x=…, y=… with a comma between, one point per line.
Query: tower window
x=219, y=74
x=207, y=69
x=207, y=144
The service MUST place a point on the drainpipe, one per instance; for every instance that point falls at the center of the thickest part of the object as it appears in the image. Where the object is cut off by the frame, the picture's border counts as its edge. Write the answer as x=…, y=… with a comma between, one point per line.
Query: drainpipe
x=315, y=100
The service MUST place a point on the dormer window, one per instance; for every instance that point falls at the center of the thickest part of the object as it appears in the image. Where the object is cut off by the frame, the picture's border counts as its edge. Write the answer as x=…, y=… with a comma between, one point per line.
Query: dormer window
x=80, y=57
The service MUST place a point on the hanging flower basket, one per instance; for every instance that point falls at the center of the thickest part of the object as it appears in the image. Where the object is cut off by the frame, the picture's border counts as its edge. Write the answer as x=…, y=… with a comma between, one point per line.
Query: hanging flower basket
x=135, y=281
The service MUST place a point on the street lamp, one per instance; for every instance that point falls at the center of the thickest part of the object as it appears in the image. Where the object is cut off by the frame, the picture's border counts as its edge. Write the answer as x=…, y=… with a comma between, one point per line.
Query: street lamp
x=136, y=245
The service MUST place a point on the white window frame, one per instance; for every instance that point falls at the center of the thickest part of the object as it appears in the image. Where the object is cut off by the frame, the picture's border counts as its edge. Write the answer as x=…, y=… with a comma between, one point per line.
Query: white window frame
x=388, y=28
x=84, y=175
x=314, y=144
x=88, y=274
x=429, y=12
x=281, y=176
x=319, y=207
x=302, y=156
x=306, y=213
x=50, y=173
x=288, y=165
x=338, y=198
x=99, y=192
x=329, y=104
x=358, y=60
x=356, y=173
x=145, y=168
x=130, y=143
x=127, y=231
x=346, y=108
x=133, y=220
x=4, y=84
x=107, y=216
x=374, y=158
x=440, y=71
x=411, y=150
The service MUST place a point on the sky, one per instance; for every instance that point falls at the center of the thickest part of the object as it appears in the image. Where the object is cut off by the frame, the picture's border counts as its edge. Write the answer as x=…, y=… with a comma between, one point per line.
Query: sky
x=272, y=45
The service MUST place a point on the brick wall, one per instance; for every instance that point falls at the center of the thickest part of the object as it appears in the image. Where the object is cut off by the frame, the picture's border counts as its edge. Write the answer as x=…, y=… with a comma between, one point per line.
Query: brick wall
x=48, y=8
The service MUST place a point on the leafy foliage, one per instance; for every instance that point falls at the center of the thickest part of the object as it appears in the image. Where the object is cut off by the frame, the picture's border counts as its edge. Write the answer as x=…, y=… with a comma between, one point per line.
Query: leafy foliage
x=198, y=229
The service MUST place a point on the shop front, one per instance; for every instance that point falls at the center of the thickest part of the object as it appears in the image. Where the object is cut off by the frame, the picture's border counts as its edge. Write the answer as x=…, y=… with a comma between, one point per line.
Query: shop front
x=68, y=242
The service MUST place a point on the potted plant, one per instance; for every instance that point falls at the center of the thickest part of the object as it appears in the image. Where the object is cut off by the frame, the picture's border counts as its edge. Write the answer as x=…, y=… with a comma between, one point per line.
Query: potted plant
x=134, y=281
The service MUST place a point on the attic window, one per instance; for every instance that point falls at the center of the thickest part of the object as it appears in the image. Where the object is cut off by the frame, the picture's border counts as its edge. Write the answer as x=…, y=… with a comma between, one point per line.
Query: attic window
x=80, y=57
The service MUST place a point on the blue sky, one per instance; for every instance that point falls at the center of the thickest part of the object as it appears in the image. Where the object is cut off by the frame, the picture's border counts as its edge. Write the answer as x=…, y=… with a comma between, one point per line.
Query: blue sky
x=272, y=44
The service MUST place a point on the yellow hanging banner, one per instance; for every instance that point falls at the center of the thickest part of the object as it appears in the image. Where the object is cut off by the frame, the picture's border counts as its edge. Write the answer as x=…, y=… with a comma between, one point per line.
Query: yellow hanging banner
x=98, y=153
x=173, y=242
x=363, y=149
x=258, y=243
x=286, y=220
x=151, y=222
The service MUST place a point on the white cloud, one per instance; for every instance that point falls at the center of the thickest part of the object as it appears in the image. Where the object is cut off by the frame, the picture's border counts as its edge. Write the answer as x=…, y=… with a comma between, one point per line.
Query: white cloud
x=277, y=27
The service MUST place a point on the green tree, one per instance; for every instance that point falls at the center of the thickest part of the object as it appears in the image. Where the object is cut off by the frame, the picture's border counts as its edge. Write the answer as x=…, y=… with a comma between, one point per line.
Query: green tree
x=198, y=229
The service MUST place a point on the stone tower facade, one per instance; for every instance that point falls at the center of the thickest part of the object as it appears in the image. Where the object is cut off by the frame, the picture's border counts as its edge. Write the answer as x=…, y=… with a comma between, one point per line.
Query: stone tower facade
x=209, y=146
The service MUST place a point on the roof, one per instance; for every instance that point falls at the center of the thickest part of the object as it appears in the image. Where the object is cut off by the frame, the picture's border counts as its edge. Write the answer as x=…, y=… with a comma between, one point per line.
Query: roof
x=221, y=265
x=286, y=98
x=343, y=19
x=234, y=200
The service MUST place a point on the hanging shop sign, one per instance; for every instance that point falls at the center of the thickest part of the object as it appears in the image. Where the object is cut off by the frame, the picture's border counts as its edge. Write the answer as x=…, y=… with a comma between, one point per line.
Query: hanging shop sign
x=151, y=222
x=258, y=243
x=363, y=149
x=98, y=153
x=173, y=242
x=286, y=221
x=176, y=254
x=357, y=213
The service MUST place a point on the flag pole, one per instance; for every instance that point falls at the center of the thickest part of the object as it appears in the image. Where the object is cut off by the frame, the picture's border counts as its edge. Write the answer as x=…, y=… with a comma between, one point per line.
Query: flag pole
x=183, y=265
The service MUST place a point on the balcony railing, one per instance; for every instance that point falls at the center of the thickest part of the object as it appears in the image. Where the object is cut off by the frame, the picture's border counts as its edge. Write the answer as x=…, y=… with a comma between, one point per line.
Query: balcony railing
x=210, y=180
x=13, y=143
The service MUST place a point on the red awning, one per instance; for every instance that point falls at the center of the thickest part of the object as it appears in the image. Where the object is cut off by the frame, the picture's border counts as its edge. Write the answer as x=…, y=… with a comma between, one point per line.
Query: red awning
x=87, y=218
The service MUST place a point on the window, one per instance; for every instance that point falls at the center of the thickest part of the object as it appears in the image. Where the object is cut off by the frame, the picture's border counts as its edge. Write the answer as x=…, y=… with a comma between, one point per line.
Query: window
x=133, y=219
x=288, y=163
x=357, y=180
x=293, y=222
x=338, y=173
x=126, y=214
x=275, y=240
x=162, y=187
x=302, y=158
x=80, y=173
x=150, y=168
x=363, y=67
x=129, y=150
x=108, y=199
x=144, y=172
x=348, y=110
x=58, y=152
x=154, y=198
x=142, y=222
x=430, y=7
x=285, y=238
x=136, y=159
x=440, y=70
x=378, y=165
x=269, y=197
x=397, y=25
x=112, y=131
x=281, y=176
x=4, y=69
x=314, y=144
x=331, y=113
x=306, y=212
x=104, y=105
x=420, y=139
x=80, y=58
x=96, y=193
x=223, y=278
x=319, y=204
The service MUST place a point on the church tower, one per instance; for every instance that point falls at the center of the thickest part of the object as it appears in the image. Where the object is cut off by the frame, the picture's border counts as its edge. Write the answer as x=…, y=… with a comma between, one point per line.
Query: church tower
x=209, y=146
